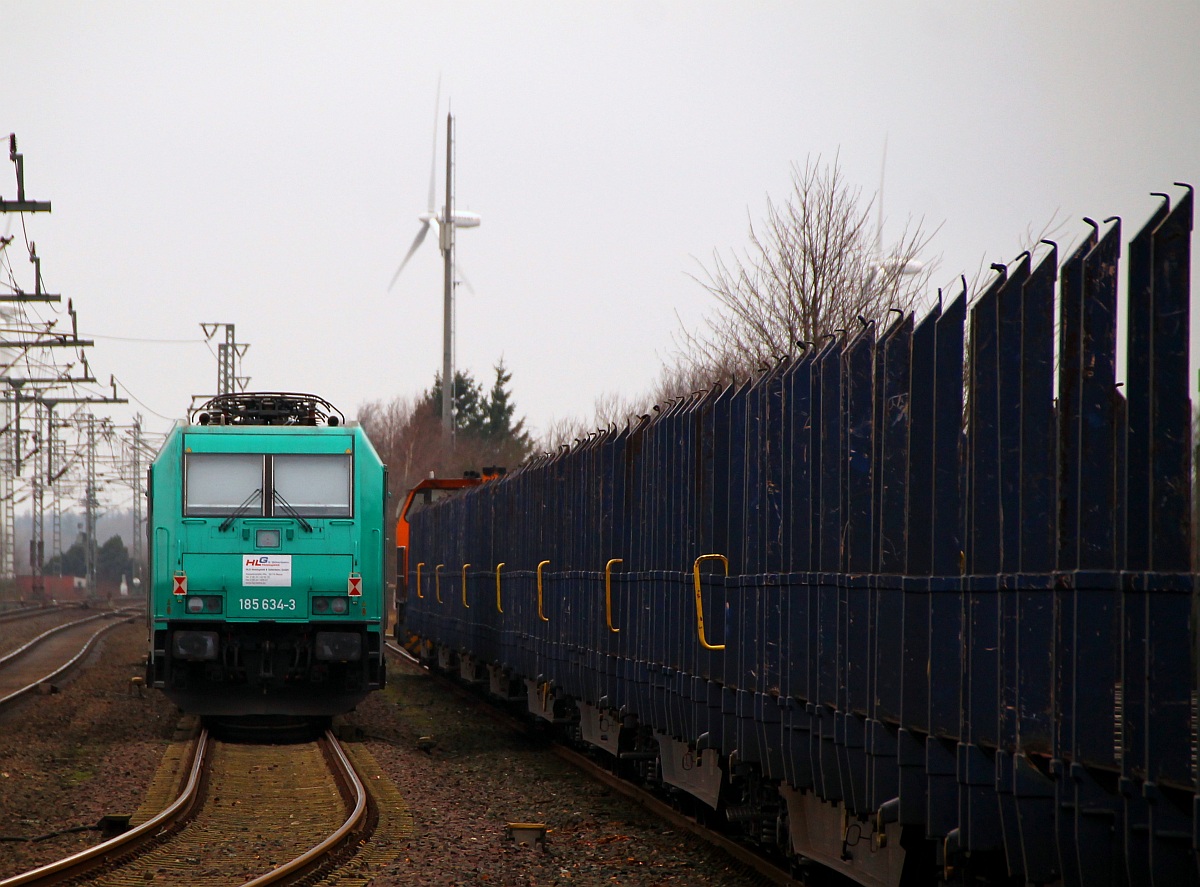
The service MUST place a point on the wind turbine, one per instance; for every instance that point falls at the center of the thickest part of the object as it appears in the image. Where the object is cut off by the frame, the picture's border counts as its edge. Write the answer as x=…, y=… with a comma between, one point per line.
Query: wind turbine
x=881, y=266
x=446, y=223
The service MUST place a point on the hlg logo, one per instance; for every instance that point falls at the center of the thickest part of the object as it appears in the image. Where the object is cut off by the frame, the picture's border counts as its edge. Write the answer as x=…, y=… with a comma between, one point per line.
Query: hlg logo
x=263, y=561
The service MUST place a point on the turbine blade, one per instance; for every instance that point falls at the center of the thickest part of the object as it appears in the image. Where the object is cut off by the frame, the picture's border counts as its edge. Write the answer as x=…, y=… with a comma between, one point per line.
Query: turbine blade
x=408, y=255
x=462, y=276
x=433, y=167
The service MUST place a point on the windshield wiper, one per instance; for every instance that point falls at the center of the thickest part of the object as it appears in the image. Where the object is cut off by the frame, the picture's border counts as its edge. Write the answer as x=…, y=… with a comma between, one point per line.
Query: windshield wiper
x=287, y=506
x=239, y=511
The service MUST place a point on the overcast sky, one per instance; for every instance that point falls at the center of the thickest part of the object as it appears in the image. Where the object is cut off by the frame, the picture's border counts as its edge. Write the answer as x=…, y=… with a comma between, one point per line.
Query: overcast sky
x=263, y=164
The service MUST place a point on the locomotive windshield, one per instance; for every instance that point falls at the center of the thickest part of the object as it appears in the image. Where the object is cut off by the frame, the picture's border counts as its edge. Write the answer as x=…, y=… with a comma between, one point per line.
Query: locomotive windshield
x=428, y=497
x=299, y=485
x=218, y=484
x=314, y=485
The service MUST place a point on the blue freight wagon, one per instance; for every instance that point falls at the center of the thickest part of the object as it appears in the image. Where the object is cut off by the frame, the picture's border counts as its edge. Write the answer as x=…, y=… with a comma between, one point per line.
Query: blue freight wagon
x=917, y=604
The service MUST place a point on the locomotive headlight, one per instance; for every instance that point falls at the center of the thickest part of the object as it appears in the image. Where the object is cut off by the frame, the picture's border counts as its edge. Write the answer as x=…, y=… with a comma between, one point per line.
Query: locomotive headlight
x=207, y=603
x=335, y=646
x=195, y=645
x=323, y=606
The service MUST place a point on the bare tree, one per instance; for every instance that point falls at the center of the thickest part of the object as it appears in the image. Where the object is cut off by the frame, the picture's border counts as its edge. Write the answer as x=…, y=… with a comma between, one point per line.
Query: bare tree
x=608, y=410
x=813, y=266
x=1032, y=241
x=560, y=432
x=407, y=434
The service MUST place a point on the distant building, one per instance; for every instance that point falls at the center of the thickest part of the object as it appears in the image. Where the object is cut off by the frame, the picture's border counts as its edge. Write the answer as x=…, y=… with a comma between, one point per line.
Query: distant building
x=66, y=588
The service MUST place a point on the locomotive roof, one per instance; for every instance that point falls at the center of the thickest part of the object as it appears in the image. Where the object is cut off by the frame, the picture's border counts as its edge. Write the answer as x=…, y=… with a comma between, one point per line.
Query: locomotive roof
x=268, y=408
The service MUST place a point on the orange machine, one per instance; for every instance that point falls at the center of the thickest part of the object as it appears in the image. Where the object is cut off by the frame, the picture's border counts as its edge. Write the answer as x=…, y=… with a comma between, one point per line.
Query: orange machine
x=426, y=492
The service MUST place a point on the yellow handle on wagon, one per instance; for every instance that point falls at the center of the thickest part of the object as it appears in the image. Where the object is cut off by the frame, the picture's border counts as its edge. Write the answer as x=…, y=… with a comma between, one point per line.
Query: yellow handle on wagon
x=608, y=592
x=700, y=602
x=541, y=615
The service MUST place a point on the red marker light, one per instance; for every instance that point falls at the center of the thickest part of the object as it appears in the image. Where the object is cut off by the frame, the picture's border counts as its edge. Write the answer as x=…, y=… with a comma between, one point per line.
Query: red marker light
x=354, y=587
x=180, y=584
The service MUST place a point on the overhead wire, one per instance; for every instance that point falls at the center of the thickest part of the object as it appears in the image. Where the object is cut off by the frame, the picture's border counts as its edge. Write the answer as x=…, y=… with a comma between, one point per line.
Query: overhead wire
x=141, y=402
x=29, y=321
x=149, y=341
x=26, y=320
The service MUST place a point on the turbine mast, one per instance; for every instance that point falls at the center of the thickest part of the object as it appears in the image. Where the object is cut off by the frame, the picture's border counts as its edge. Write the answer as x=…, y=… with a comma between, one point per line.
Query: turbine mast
x=447, y=232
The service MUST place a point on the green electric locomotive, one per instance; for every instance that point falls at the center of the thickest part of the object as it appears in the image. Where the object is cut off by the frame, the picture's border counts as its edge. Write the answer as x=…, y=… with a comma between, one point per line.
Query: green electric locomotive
x=266, y=540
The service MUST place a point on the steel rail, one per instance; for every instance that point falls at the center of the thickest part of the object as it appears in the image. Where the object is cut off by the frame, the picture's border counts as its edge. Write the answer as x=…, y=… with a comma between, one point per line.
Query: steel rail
x=400, y=651
x=8, y=657
x=743, y=854
x=308, y=859
x=28, y=612
x=72, y=866
x=16, y=694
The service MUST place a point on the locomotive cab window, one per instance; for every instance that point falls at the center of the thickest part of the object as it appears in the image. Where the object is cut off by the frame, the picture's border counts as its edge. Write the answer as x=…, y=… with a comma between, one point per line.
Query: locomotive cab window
x=218, y=484
x=297, y=485
x=314, y=485
x=427, y=497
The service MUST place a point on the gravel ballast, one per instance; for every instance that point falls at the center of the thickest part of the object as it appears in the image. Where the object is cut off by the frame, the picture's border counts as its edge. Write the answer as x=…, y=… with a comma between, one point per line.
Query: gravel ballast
x=481, y=775
x=69, y=758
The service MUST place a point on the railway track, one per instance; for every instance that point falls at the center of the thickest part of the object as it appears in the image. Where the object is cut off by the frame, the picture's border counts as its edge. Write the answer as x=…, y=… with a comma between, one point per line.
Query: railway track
x=20, y=613
x=247, y=814
x=51, y=654
x=764, y=867
x=18, y=626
